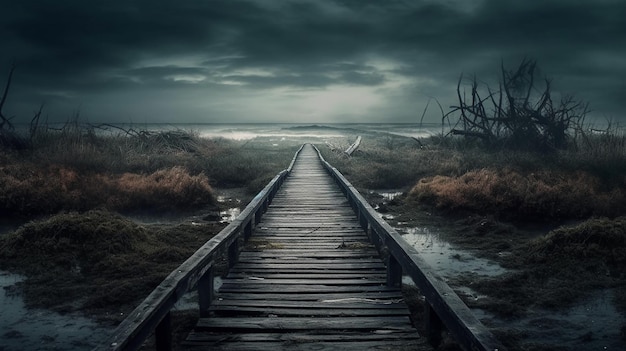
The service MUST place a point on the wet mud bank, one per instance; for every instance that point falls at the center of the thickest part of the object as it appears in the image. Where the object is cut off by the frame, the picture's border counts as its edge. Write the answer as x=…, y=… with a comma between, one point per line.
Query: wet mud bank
x=23, y=328
x=538, y=287
x=67, y=280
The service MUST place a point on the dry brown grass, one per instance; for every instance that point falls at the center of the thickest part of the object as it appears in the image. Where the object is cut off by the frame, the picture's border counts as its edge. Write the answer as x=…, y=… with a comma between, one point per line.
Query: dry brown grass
x=541, y=195
x=77, y=169
x=167, y=188
x=27, y=190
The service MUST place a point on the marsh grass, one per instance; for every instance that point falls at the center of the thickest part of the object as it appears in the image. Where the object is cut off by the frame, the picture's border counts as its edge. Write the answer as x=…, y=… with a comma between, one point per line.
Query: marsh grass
x=561, y=268
x=78, y=253
x=544, y=195
x=96, y=260
x=75, y=168
x=454, y=174
x=386, y=162
x=29, y=191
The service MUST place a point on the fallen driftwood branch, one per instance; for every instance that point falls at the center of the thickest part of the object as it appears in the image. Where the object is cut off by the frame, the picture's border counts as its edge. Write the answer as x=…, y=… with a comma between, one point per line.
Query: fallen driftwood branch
x=354, y=146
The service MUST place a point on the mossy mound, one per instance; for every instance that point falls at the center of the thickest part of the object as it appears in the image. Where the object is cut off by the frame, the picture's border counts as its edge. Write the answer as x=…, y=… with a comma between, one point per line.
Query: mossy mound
x=561, y=268
x=601, y=238
x=96, y=261
x=88, y=236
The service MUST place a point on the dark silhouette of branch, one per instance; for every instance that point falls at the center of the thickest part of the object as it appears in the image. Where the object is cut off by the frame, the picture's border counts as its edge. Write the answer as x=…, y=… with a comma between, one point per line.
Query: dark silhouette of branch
x=520, y=115
x=3, y=119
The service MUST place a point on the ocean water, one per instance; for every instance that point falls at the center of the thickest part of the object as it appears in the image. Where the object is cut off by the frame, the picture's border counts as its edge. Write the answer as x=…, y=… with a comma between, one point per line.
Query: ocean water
x=247, y=131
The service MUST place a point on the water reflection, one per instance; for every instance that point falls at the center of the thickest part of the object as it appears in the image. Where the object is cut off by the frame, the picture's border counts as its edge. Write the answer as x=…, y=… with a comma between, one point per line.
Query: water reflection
x=447, y=260
x=38, y=329
x=594, y=324
x=229, y=215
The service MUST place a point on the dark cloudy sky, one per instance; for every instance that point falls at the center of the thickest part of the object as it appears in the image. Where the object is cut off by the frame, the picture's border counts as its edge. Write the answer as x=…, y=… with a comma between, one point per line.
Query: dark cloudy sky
x=297, y=60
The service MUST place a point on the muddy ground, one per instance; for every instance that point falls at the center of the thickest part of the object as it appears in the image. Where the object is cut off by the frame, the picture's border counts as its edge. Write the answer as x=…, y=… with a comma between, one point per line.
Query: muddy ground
x=551, y=266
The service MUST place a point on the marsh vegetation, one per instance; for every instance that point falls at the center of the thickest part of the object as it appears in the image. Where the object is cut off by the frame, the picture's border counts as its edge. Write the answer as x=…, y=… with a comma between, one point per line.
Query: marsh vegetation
x=72, y=193
x=554, y=219
x=550, y=208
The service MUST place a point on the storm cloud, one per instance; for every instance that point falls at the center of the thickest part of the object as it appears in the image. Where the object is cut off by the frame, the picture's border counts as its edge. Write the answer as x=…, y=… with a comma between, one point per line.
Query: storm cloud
x=297, y=60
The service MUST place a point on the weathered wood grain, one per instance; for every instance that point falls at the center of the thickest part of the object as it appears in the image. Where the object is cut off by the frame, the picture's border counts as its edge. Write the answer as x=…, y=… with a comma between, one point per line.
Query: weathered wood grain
x=444, y=305
x=308, y=278
x=282, y=325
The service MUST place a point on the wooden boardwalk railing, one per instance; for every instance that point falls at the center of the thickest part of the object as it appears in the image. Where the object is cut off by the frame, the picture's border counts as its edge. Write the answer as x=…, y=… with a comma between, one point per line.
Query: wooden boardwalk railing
x=307, y=277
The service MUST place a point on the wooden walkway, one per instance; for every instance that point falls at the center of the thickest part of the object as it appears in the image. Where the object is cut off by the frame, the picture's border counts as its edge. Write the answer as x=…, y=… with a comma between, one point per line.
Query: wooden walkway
x=307, y=279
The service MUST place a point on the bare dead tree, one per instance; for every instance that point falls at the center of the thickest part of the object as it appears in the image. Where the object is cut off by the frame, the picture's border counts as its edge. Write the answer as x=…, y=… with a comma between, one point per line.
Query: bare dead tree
x=519, y=114
x=35, y=122
x=4, y=121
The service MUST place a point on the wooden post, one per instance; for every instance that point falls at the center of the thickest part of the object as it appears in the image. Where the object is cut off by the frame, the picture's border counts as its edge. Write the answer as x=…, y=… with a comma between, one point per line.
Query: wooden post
x=247, y=230
x=375, y=239
x=205, y=292
x=257, y=215
x=233, y=253
x=362, y=219
x=266, y=204
x=163, y=334
x=394, y=272
x=433, y=325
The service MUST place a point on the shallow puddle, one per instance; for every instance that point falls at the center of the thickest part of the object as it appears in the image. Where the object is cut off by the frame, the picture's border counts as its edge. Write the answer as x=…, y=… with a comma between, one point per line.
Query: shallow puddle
x=37, y=329
x=447, y=260
x=230, y=214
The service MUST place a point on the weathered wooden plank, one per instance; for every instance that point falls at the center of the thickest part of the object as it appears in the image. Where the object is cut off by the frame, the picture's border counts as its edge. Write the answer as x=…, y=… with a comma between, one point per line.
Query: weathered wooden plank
x=355, y=303
x=355, y=345
x=310, y=260
x=292, y=245
x=300, y=289
x=311, y=236
x=307, y=267
x=393, y=295
x=324, y=266
x=275, y=312
x=313, y=281
x=265, y=270
x=309, y=253
x=267, y=324
x=387, y=335
x=308, y=275
x=311, y=231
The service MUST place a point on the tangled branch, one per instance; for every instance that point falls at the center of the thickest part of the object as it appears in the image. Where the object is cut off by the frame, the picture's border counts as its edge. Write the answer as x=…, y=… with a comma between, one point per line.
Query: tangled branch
x=519, y=114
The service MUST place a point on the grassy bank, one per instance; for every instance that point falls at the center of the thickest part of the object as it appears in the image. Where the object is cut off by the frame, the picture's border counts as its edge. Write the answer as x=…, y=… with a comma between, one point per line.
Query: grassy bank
x=455, y=176
x=554, y=219
x=70, y=190
x=96, y=261
x=76, y=169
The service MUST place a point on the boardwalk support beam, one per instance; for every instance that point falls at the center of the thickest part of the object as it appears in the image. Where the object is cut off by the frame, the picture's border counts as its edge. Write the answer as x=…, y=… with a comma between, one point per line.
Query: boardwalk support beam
x=433, y=325
x=233, y=253
x=205, y=292
x=163, y=334
x=394, y=272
